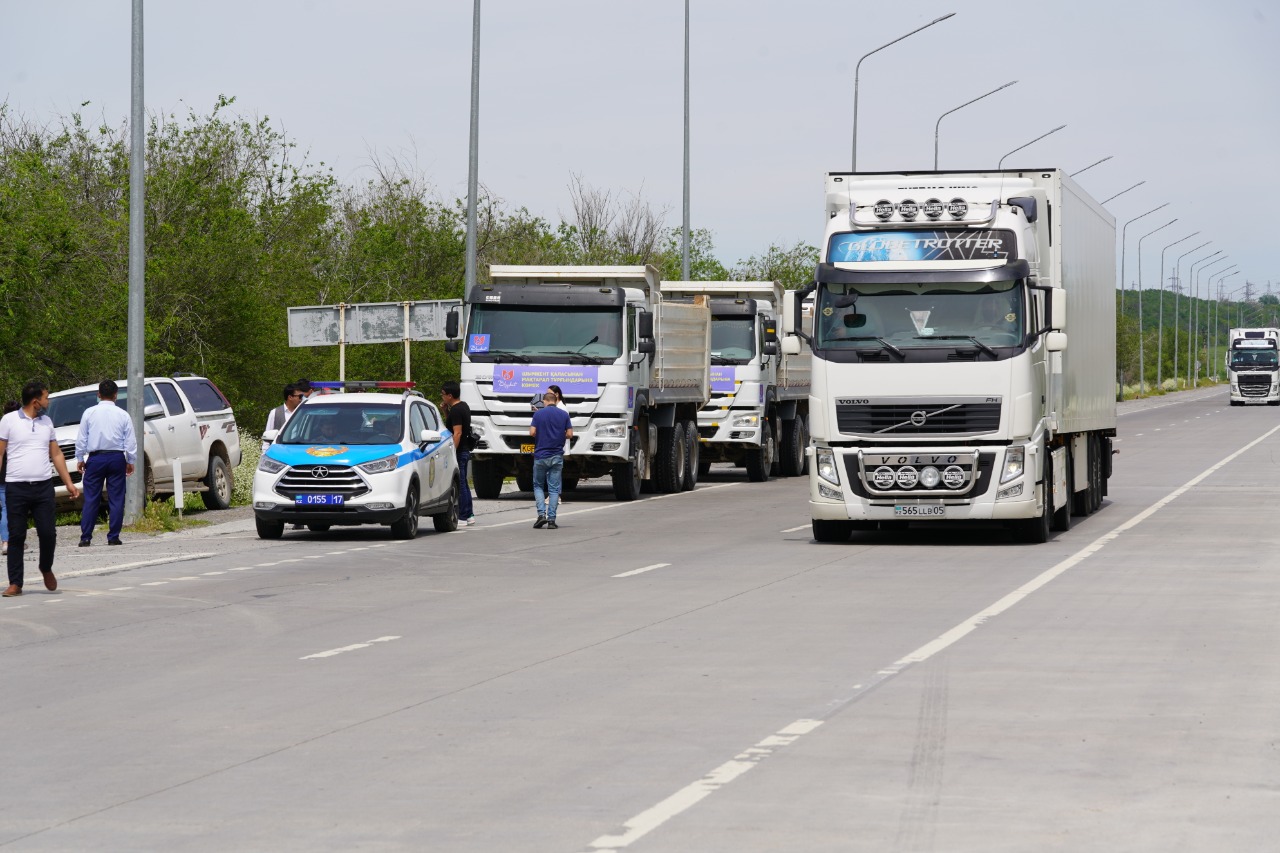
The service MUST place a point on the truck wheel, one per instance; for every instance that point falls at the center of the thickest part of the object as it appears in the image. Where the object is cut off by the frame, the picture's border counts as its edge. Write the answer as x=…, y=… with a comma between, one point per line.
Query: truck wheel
x=693, y=458
x=1035, y=531
x=831, y=531
x=569, y=484
x=219, y=484
x=671, y=458
x=406, y=527
x=487, y=478
x=760, y=460
x=447, y=521
x=794, y=440
x=1062, y=517
x=268, y=529
x=626, y=475
x=524, y=478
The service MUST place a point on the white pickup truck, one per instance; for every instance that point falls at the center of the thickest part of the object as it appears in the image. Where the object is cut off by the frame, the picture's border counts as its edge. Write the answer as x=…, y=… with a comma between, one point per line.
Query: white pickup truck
x=185, y=418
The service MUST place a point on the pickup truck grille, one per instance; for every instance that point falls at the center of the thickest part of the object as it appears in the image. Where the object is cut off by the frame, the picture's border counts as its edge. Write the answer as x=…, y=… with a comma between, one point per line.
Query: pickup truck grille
x=336, y=480
x=918, y=419
x=69, y=454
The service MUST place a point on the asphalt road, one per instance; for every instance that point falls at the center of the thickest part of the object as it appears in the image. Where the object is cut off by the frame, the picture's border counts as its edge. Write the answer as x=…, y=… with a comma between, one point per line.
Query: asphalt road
x=686, y=673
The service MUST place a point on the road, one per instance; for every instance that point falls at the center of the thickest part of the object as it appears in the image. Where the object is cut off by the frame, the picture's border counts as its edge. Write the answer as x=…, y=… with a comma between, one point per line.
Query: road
x=687, y=673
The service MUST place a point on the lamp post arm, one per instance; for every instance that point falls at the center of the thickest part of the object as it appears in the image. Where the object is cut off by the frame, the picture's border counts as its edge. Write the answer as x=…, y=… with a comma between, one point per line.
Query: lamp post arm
x=938, y=123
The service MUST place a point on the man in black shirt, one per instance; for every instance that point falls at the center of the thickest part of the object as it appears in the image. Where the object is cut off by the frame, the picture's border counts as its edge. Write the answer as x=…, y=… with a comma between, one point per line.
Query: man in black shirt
x=458, y=421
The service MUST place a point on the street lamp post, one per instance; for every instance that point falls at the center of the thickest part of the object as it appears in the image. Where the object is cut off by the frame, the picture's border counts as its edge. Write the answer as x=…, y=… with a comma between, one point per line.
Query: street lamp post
x=1124, y=236
x=1178, y=267
x=135, y=490
x=1217, y=315
x=1225, y=274
x=1142, y=361
x=938, y=123
x=473, y=155
x=1122, y=192
x=858, y=67
x=684, y=230
x=1193, y=316
x=1000, y=165
x=1160, y=333
x=1091, y=165
x=1191, y=274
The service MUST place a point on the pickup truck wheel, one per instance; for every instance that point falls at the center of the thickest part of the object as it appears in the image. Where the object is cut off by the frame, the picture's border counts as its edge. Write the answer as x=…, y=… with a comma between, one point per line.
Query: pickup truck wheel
x=269, y=529
x=760, y=460
x=447, y=521
x=406, y=527
x=486, y=476
x=831, y=531
x=692, y=464
x=219, y=483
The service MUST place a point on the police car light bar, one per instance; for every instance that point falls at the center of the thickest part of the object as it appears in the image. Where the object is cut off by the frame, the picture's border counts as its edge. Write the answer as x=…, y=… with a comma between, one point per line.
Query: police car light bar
x=360, y=385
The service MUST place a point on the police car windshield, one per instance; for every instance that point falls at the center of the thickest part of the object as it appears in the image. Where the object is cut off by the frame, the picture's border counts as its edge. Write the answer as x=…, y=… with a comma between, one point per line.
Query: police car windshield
x=344, y=423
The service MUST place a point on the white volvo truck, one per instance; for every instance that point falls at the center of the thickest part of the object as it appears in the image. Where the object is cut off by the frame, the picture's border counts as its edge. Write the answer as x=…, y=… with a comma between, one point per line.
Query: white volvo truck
x=1252, y=363
x=633, y=370
x=758, y=413
x=944, y=388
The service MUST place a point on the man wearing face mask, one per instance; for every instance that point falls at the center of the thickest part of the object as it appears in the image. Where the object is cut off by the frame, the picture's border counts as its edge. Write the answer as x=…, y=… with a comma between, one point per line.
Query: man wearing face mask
x=30, y=448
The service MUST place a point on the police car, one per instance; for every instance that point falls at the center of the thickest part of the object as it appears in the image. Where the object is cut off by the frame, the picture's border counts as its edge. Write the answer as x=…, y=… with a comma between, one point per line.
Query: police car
x=359, y=458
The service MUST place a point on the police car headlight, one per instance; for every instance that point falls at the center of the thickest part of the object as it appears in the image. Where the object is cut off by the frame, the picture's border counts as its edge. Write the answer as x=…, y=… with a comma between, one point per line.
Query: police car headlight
x=612, y=429
x=1013, y=464
x=826, y=464
x=378, y=466
x=270, y=466
x=746, y=420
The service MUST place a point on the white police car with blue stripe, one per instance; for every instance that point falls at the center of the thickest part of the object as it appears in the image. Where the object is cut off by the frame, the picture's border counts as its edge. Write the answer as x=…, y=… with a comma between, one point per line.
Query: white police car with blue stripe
x=359, y=458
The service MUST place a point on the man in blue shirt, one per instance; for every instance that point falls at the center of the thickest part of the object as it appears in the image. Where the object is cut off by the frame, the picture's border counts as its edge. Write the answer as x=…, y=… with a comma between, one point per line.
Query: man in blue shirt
x=552, y=428
x=106, y=449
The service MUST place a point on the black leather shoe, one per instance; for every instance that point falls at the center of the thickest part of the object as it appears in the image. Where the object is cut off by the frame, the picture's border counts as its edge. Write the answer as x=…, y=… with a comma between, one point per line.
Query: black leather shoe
x=114, y=542
x=551, y=525
x=85, y=543
x=541, y=522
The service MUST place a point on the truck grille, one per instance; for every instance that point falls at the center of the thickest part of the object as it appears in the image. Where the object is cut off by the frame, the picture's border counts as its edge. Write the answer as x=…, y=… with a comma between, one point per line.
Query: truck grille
x=1254, y=384
x=336, y=480
x=911, y=419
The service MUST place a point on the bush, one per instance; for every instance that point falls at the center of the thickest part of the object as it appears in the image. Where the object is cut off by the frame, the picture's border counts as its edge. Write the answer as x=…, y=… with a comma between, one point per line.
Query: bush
x=242, y=477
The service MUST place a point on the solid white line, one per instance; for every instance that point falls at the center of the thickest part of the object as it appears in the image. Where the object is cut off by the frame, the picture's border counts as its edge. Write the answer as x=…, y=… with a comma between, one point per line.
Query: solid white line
x=690, y=795
x=797, y=529
x=106, y=569
x=350, y=648
x=207, y=574
x=641, y=571
x=156, y=583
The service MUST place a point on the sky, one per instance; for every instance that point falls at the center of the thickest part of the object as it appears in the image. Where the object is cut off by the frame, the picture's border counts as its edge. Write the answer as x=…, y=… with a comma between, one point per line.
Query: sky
x=1181, y=94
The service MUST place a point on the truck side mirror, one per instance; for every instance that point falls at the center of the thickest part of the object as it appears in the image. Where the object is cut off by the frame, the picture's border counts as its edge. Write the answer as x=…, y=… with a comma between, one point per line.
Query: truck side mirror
x=1057, y=319
x=770, y=331
x=770, y=348
x=1055, y=341
x=646, y=346
x=452, y=345
x=791, y=345
x=788, y=313
x=644, y=326
x=451, y=325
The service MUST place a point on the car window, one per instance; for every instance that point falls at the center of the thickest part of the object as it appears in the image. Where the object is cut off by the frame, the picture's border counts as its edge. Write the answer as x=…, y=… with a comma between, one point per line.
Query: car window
x=204, y=395
x=433, y=417
x=344, y=423
x=172, y=399
x=418, y=420
x=69, y=409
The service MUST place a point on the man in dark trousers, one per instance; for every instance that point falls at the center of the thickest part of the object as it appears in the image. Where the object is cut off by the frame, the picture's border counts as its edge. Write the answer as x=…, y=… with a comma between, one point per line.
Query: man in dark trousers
x=552, y=428
x=106, y=450
x=30, y=446
x=458, y=421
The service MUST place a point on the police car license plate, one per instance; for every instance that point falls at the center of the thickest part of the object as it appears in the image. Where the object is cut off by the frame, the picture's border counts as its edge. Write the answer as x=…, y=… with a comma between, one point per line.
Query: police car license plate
x=526, y=448
x=920, y=511
x=319, y=500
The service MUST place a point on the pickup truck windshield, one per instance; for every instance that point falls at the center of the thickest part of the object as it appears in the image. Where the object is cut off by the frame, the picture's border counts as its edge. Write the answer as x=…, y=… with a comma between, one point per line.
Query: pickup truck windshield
x=544, y=334
x=732, y=340
x=926, y=314
x=344, y=423
x=68, y=409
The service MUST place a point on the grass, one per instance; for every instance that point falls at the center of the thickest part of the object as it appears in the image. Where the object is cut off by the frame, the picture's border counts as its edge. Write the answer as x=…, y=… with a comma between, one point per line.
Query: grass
x=162, y=516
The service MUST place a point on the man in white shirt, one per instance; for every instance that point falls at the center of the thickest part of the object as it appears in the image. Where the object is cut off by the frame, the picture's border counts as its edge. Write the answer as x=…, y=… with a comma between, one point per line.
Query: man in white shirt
x=28, y=441
x=106, y=450
x=280, y=415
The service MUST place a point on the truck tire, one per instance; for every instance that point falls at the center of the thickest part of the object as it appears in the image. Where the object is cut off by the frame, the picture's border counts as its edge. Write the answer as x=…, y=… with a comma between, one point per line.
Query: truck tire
x=447, y=521
x=1062, y=517
x=1035, y=531
x=760, y=460
x=268, y=529
x=486, y=476
x=218, y=482
x=669, y=464
x=524, y=477
x=626, y=477
x=406, y=527
x=831, y=531
x=693, y=458
x=795, y=438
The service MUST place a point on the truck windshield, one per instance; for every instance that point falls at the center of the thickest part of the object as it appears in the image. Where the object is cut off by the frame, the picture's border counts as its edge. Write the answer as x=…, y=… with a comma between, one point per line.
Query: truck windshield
x=926, y=314
x=344, y=423
x=732, y=339
x=1246, y=358
x=544, y=334
x=68, y=409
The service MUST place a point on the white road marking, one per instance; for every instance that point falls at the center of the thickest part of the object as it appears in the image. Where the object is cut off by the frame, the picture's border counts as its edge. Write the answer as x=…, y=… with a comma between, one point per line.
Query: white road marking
x=155, y=583
x=641, y=571
x=351, y=648
x=797, y=529
x=609, y=506
x=52, y=601
x=240, y=569
x=107, y=569
x=690, y=795
x=119, y=588
x=208, y=574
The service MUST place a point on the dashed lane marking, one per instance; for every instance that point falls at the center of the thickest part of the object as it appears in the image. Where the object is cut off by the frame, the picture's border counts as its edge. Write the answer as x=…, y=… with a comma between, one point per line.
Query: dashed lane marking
x=332, y=652
x=642, y=571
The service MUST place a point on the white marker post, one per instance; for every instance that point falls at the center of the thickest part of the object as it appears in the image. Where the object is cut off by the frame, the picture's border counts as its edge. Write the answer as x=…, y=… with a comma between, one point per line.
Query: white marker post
x=178, y=499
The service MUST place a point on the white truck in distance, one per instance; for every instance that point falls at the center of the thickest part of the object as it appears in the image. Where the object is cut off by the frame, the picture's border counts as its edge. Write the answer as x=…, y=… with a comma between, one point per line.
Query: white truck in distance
x=1252, y=363
x=758, y=413
x=633, y=370
x=943, y=385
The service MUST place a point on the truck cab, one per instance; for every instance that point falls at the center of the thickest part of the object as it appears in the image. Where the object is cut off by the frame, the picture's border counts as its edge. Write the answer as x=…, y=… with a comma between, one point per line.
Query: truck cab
x=1253, y=366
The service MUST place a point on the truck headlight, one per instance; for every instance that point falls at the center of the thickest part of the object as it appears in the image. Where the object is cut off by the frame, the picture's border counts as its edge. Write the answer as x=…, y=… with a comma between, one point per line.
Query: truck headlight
x=379, y=466
x=746, y=420
x=612, y=429
x=826, y=464
x=1014, y=459
x=270, y=466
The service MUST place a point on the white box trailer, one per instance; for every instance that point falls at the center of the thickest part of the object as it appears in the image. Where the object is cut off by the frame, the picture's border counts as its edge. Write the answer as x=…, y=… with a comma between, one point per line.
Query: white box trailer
x=964, y=351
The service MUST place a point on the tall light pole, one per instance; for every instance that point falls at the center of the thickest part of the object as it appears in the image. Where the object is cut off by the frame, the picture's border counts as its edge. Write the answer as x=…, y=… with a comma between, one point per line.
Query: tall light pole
x=473, y=154
x=684, y=250
x=938, y=123
x=1160, y=333
x=1191, y=274
x=1000, y=165
x=1193, y=316
x=1091, y=165
x=858, y=67
x=1122, y=192
x=1217, y=315
x=1142, y=361
x=1208, y=292
x=1124, y=235
x=135, y=491
x=1178, y=266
